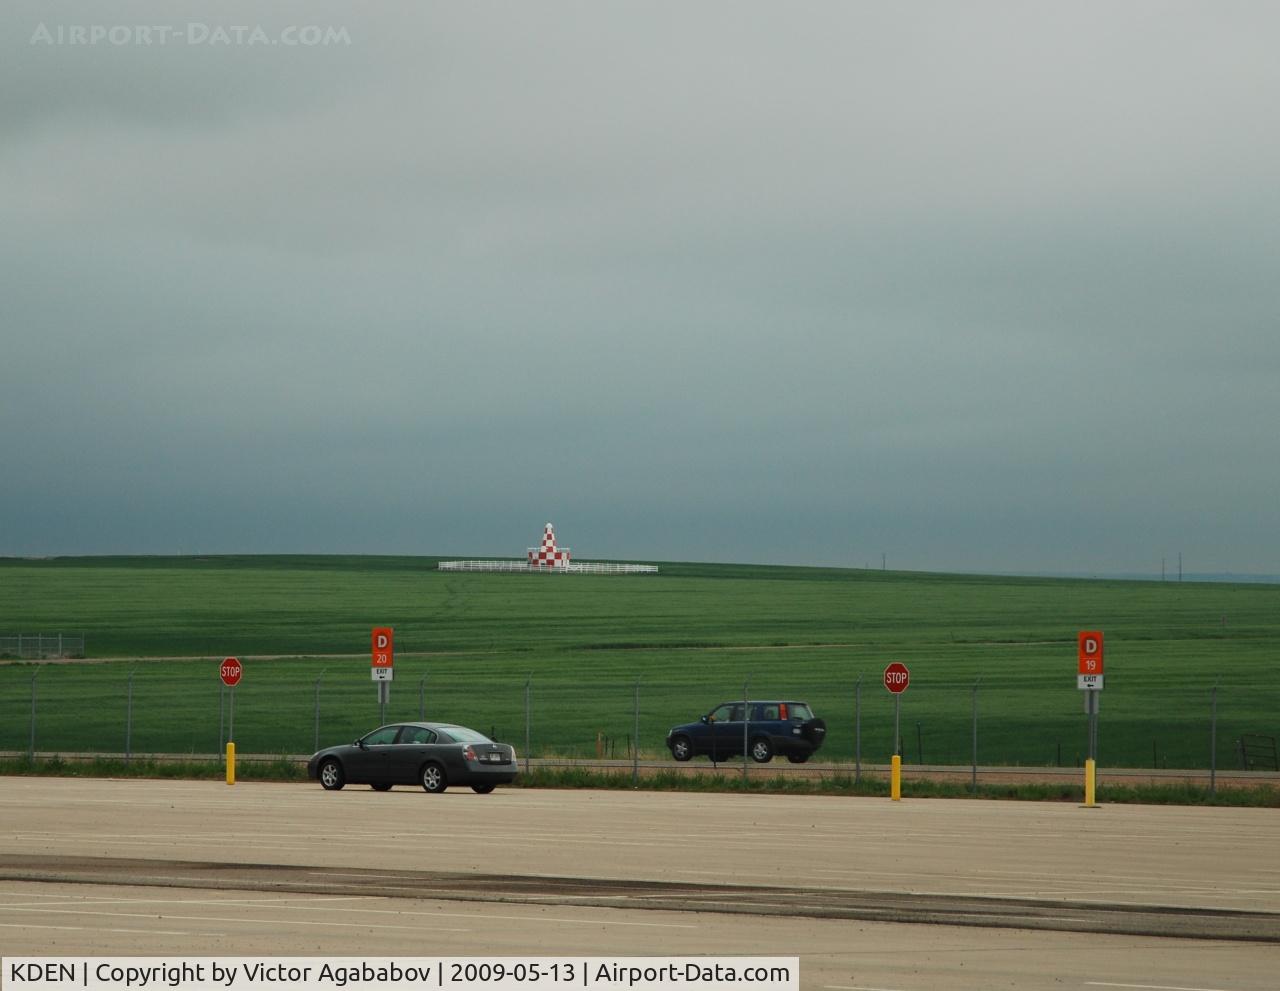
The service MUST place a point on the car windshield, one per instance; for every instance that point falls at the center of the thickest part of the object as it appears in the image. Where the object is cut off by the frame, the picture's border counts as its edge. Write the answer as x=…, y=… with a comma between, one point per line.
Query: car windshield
x=460, y=734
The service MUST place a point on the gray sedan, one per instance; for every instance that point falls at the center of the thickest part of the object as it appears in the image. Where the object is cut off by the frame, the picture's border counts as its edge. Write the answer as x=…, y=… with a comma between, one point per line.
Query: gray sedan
x=434, y=755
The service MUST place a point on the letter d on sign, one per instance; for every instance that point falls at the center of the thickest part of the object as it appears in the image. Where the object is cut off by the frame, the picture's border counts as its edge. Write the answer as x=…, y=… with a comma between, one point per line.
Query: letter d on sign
x=383, y=643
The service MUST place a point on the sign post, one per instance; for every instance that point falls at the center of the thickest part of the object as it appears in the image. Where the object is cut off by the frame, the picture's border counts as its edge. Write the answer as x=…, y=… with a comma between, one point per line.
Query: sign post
x=382, y=668
x=896, y=680
x=1089, y=679
x=230, y=672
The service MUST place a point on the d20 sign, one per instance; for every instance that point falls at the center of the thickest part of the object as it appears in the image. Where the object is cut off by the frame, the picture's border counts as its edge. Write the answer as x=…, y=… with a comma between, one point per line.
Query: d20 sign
x=384, y=650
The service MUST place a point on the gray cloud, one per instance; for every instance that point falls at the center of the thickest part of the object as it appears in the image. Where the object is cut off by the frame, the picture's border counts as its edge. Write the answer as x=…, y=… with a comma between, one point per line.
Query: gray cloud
x=986, y=287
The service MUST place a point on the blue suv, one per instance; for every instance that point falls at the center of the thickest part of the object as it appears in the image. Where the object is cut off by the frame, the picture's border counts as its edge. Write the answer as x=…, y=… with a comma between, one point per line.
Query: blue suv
x=788, y=729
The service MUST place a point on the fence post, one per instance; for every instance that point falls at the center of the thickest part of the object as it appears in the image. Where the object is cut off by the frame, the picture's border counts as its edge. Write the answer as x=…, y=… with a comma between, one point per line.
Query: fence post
x=746, y=721
x=128, y=722
x=318, y=679
x=422, y=697
x=974, y=780
x=528, y=682
x=31, y=747
x=635, y=748
x=1213, y=740
x=857, y=730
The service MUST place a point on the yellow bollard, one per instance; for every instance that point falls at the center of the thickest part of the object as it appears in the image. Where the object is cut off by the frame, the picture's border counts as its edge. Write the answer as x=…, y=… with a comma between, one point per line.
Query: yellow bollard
x=895, y=778
x=231, y=763
x=1090, y=770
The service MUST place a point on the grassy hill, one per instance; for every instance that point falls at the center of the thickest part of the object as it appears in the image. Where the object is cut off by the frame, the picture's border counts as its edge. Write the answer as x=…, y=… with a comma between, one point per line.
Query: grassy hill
x=468, y=644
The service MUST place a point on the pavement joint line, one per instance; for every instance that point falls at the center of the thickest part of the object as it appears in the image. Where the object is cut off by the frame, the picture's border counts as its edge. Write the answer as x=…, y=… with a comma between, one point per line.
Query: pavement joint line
x=980, y=910
x=855, y=987
x=1146, y=987
x=130, y=932
x=344, y=923
x=77, y=907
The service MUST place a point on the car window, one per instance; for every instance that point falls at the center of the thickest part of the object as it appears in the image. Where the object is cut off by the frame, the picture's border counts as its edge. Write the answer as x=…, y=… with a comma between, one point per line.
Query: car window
x=730, y=712
x=416, y=734
x=800, y=711
x=766, y=711
x=386, y=734
x=460, y=734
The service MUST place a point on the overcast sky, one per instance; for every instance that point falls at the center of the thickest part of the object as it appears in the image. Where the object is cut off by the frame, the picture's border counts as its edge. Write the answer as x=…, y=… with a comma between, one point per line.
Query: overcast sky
x=979, y=287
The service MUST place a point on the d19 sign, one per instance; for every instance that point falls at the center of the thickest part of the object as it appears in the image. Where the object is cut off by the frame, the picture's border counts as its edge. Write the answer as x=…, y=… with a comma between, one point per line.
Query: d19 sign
x=1090, y=651
x=1089, y=655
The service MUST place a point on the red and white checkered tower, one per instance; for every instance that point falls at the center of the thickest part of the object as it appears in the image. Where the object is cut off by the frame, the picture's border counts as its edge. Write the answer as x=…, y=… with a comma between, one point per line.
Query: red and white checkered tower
x=548, y=556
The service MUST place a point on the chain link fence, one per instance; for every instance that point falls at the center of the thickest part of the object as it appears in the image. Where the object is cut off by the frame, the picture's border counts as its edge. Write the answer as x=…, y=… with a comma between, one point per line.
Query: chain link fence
x=295, y=708
x=40, y=646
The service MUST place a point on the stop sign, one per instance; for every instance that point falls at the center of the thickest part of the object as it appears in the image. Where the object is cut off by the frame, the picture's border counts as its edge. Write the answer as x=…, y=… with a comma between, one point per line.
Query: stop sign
x=897, y=677
x=231, y=671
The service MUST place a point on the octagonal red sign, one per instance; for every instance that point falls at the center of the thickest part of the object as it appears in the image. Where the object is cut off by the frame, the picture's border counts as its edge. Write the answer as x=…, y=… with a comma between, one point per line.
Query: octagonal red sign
x=230, y=671
x=897, y=677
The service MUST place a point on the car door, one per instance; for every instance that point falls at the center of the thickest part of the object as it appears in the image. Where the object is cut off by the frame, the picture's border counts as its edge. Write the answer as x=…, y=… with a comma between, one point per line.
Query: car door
x=413, y=745
x=767, y=719
x=725, y=723
x=370, y=761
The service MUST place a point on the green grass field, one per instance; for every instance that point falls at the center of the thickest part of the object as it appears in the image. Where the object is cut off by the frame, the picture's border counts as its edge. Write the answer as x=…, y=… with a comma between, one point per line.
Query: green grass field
x=684, y=640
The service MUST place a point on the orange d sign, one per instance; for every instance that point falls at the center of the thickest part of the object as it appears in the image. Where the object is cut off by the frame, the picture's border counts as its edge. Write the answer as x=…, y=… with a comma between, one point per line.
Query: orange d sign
x=1089, y=674
x=1090, y=651
x=384, y=650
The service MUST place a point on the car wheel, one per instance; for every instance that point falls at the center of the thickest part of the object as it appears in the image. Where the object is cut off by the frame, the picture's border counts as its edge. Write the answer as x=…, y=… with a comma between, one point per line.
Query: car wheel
x=681, y=748
x=433, y=778
x=482, y=789
x=761, y=750
x=797, y=758
x=331, y=776
x=381, y=787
